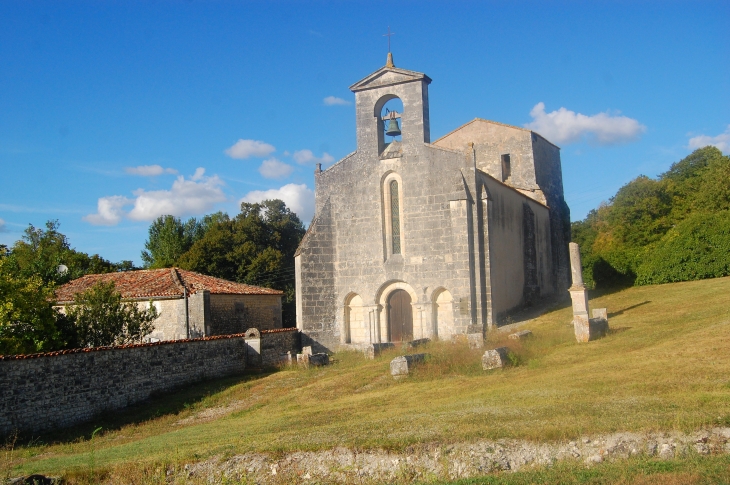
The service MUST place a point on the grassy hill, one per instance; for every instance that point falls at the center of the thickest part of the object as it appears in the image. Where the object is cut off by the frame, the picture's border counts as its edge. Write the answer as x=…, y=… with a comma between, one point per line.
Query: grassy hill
x=665, y=366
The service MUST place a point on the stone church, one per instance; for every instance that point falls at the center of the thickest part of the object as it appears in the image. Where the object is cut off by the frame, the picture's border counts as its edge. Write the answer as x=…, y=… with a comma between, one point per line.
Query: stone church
x=418, y=239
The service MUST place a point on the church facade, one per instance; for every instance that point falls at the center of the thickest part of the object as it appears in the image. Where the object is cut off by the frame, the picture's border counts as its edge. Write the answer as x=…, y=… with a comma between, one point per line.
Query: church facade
x=418, y=239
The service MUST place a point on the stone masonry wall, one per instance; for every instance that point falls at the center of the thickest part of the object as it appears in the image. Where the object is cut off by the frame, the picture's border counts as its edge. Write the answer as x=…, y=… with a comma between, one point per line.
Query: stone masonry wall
x=276, y=343
x=316, y=290
x=59, y=389
x=230, y=314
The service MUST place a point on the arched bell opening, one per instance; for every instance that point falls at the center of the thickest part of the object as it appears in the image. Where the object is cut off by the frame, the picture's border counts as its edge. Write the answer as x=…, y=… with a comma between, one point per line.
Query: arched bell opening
x=389, y=114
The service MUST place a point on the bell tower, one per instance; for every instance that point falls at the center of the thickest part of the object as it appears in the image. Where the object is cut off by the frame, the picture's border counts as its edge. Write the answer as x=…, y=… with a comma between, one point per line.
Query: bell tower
x=371, y=94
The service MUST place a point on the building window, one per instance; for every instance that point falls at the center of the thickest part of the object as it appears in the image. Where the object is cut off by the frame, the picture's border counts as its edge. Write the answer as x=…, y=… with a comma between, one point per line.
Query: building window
x=506, y=169
x=395, y=216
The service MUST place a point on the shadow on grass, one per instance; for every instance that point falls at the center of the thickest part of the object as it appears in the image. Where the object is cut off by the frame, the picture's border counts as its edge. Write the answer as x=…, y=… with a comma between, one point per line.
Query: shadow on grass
x=158, y=405
x=621, y=312
x=539, y=308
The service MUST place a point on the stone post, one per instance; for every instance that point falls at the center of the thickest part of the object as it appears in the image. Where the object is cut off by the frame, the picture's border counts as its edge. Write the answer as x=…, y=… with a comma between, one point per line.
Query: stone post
x=579, y=295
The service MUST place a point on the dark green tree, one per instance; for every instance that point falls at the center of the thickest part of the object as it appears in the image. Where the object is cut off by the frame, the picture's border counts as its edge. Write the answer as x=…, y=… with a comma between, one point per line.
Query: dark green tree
x=100, y=317
x=27, y=318
x=170, y=237
x=40, y=252
x=256, y=247
x=620, y=237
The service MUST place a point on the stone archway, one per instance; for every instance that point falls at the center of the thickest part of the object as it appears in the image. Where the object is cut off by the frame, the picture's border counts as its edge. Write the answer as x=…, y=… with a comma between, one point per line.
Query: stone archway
x=443, y=313
x=355, y=329
x=382, y=297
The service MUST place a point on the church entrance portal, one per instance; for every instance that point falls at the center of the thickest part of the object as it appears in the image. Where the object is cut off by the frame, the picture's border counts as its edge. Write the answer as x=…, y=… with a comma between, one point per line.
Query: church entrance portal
x=400, y=316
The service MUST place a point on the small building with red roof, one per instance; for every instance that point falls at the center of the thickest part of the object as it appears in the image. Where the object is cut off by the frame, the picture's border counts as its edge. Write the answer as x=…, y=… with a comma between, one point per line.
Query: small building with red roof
x=189, y=304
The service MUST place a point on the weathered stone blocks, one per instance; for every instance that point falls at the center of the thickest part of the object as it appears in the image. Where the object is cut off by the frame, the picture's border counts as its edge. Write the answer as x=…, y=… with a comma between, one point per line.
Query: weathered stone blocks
x=374, y=350
x=319, y=359
x=476, y=340
x=496, y=358
x=401, y=366
x=523, y=334
x=586, y=329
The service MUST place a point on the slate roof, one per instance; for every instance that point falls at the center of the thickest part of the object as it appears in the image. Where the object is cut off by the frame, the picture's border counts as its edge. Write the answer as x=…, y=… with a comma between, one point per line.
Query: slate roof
x=160, y=283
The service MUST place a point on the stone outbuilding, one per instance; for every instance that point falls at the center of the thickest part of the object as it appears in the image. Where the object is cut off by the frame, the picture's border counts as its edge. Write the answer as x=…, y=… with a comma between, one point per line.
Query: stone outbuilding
x=189, y=304
x=418, y=239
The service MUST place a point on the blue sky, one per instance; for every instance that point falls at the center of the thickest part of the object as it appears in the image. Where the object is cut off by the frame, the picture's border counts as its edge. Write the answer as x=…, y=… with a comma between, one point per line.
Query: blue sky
x=112, y=113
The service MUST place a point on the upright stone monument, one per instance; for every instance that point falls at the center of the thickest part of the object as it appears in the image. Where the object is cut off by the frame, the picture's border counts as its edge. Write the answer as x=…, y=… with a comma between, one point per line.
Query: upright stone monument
x=585, y=328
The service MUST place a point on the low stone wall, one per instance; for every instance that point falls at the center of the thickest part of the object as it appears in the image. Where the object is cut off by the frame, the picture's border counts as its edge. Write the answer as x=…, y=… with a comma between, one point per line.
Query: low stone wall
x=276, y=343
x=59, y=389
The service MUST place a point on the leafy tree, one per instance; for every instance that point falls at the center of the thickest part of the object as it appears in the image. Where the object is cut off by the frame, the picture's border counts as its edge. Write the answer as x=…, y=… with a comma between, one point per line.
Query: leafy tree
x=170, y=237
x=27, y=319
x=100, y=317
x=619, y=237
x=40, y=252
x=696, y=248
x=255, y=247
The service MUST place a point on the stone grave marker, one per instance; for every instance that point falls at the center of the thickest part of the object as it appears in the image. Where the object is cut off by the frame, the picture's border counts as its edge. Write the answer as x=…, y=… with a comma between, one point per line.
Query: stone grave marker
x=495, y=359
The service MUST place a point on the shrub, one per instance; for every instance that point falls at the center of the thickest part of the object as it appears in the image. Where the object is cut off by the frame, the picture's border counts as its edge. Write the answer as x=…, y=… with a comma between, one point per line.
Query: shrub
x=696, y=248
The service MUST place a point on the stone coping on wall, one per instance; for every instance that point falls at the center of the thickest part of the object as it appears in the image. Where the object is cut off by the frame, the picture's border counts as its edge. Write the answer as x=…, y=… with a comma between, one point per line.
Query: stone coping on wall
x=132, y=346
x=114, y=347
x=279, y=330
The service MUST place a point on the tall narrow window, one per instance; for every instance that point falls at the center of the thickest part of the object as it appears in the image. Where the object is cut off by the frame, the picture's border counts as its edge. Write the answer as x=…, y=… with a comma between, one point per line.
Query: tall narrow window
x=395, y=216
x=506, y=169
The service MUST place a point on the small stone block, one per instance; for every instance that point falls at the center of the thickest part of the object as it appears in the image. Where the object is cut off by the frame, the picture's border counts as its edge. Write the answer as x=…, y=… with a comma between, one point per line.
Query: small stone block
x=476, y=340
x=521, y=335
x=302, y=359
x=495, y=359
x=307, y=350
x=319, y=359
x=374, y=350
x=587, y=329
x=417, y=343
x=401, y=366
x=601, y=313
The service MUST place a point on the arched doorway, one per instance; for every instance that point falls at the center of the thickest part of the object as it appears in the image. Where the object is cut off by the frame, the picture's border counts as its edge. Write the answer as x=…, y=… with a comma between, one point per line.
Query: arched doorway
x=400, y=316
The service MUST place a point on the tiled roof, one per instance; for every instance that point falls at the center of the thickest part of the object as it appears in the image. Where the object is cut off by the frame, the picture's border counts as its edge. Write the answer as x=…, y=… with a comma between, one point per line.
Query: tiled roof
x=167, y=282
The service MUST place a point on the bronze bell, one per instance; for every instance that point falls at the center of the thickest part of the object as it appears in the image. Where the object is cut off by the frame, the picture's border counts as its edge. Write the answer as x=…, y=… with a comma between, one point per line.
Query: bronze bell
x=393, y=128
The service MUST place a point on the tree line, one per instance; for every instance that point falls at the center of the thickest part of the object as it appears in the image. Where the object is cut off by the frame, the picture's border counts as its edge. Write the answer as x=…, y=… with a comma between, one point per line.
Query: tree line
x=255, y=247
x=672, y=228
x=32, y=269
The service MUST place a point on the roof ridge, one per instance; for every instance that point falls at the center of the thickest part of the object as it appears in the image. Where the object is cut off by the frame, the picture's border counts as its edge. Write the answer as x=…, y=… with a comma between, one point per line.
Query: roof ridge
x=177, y=279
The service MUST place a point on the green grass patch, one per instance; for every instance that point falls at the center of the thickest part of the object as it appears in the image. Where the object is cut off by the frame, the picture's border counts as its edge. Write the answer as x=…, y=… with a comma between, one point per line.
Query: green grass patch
x=664, y=366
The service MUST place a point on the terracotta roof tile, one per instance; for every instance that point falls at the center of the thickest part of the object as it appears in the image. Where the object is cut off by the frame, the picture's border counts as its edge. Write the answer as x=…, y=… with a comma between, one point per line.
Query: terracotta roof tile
x=167, y=282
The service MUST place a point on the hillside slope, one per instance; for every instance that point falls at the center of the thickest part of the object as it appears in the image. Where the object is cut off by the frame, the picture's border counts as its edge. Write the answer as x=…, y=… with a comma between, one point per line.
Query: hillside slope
x=665, y=366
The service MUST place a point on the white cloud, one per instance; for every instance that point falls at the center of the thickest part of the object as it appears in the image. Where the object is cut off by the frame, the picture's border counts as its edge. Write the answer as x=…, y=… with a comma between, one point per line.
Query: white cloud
x=298, y=198
x=2, y=226
x=243, y=149
x=305, y=157
x=275, y=169
x=335, y=101
x=109, y=211
x=721, y=141
x=149, y=170
x=565, y=126
x=196, y=195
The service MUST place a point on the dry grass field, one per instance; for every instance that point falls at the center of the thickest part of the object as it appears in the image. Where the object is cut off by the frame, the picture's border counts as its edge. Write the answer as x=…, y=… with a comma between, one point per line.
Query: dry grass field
x=664, y=366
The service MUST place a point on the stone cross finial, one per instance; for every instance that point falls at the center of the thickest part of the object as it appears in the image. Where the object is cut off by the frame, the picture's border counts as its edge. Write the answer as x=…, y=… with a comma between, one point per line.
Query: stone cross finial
x=388, y=36
x=389, y=61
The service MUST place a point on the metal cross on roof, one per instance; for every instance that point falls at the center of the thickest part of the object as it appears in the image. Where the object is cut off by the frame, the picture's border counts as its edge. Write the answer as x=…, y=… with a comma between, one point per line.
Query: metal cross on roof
x=388, y=36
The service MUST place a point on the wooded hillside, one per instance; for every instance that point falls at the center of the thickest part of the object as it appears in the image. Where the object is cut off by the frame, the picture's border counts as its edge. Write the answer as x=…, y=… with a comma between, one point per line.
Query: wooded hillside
x=673, y=228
